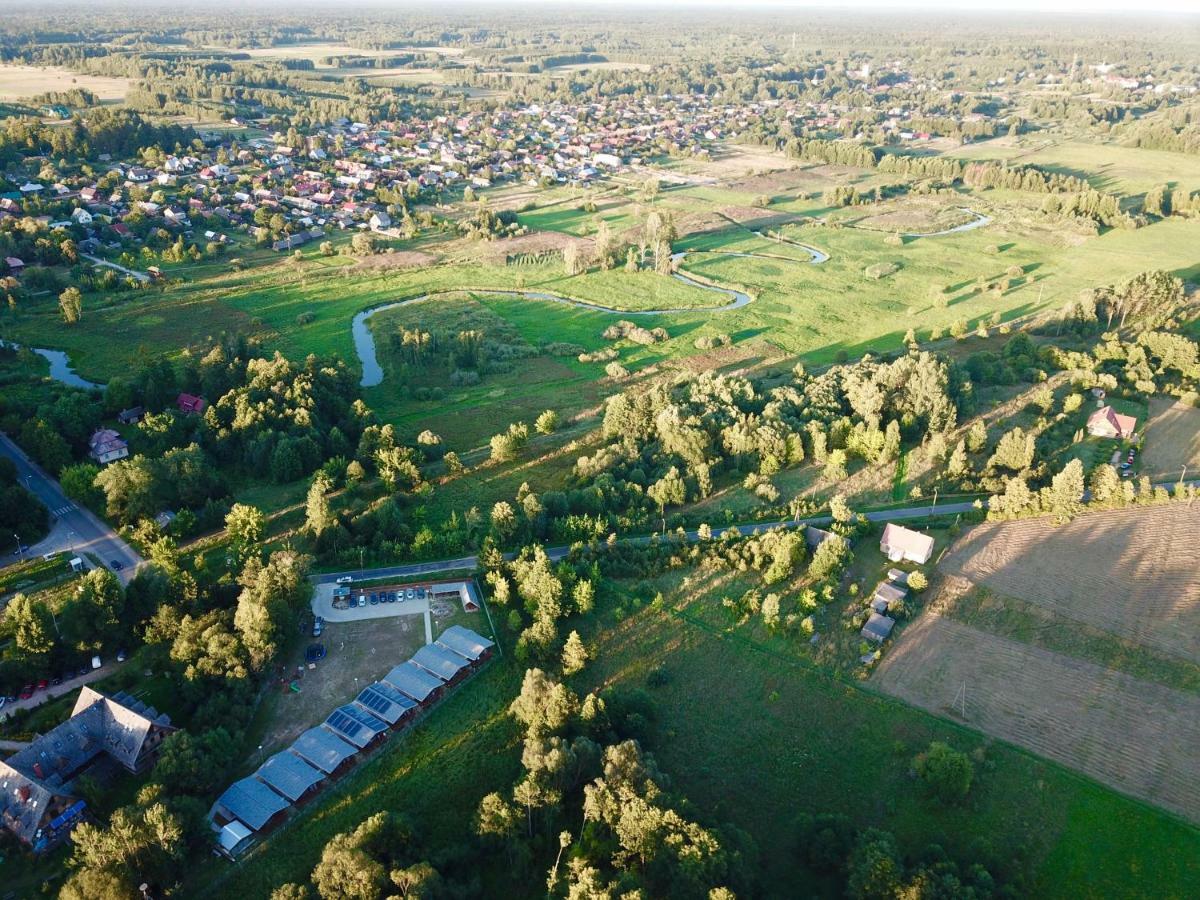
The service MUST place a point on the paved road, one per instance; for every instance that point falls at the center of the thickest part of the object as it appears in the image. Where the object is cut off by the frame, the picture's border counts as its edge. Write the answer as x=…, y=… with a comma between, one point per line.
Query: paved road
x=556, y=553
x=57, y=690
x=75, y=529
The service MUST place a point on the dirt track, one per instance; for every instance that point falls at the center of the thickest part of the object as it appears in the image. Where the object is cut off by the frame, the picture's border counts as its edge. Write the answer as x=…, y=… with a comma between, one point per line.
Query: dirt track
x=1131, y=572
x=1136, y=736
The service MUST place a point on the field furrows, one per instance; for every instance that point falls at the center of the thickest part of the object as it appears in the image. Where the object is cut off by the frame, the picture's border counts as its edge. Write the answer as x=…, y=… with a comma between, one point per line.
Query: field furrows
x=1131, y=572
x=1135, y=736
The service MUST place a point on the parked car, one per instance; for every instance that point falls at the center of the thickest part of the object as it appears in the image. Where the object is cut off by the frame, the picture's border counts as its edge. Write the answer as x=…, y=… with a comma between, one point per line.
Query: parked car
x=374, y=599
x=97, y=662
x=362, y=599
x=318, y=626
x=420, y=593
x=121, y=657
x=56, y=680
x=83, y=670
x=411, y=594
x=392, y=597
x=27, y=692
x=345, y=579
x=43, y=684
x=117, y=565
x=3, y=700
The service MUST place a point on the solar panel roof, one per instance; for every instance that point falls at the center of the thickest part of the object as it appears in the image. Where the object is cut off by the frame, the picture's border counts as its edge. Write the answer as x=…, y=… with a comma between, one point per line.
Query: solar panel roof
x=357, y=725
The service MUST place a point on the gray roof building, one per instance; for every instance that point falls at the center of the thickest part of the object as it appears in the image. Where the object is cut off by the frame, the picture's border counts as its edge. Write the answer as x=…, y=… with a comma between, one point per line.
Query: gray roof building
x=251, y=802
x=886, y=594
x=389, y=705
x=290, y=775
x=355, y=724
x=465, y=642
x=411, y=679
x=443, y=663
x=323, y=749
x=36, y=783
x=878, y=627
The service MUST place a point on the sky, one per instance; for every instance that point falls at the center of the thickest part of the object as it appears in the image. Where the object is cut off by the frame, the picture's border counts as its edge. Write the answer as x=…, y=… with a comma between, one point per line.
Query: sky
x=1124, y=7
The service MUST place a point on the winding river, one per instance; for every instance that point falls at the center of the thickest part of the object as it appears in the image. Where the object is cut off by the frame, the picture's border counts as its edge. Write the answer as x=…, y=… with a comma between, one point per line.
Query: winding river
x=364, y=340
x=60, y=367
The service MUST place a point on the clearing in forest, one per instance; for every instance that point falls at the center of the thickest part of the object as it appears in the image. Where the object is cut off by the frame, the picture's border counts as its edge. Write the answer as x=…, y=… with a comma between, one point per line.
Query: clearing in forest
x=1131, y=572
x=1135, y=736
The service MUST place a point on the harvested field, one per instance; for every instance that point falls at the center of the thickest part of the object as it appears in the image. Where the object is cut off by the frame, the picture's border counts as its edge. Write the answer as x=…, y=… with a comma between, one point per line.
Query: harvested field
x=23, y=82
x=1135, y=736
x=1172, y=438
x=754, y=218
x=496, y=252
x=1130, y=572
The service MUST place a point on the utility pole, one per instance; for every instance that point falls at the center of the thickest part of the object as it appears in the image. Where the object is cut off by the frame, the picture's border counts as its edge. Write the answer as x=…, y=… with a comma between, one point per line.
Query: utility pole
x=934, y=506
x=20, y=549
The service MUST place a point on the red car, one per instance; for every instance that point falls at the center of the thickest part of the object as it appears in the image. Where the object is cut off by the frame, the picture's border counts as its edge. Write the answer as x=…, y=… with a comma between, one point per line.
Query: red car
x=26, y=692
x=43, y=684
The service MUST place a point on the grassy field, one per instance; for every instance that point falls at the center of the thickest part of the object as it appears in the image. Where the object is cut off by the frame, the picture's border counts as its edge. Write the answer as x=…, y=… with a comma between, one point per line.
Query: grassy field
x=1108, y=167
x=753, y=732
x=22, y=82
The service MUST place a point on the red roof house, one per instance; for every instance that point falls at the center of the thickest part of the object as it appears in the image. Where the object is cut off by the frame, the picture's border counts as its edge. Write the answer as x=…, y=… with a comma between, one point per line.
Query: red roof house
x=190, y=405
x=1106, y=422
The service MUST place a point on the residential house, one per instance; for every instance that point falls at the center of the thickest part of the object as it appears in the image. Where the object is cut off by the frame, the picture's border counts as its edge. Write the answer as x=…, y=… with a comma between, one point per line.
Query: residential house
x=1106, y=422
x=900, y=543
x=131, y=416
x=886, y=594
x=189, y=404
x=878, y=627
x=106, y=446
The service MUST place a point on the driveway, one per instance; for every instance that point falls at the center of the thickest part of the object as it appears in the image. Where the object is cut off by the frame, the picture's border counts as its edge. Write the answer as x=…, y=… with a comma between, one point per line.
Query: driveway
x=57, y=690
x=75, y=530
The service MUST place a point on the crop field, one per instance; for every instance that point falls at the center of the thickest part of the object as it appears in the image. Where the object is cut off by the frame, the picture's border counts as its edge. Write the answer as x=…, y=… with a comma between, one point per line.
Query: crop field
x=1137, y=736
x=22, y=82
x=1130, y=572
x=1172, y=439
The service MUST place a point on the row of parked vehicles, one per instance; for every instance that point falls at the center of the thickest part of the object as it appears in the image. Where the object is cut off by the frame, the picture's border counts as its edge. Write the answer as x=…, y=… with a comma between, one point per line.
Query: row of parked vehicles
x=35, y=686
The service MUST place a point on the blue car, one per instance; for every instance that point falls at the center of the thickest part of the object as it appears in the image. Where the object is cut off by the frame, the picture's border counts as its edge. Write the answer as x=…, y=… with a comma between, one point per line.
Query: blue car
x=374, y=599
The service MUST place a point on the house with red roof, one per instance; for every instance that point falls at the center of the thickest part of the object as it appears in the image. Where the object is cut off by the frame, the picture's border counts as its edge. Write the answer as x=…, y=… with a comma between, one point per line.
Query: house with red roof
x=1106, y=422
x=190, y=405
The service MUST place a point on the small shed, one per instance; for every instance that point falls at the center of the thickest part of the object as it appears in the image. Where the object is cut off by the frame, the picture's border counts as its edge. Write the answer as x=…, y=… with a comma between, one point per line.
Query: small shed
x=878, y=627
x=323, y=749
x=233, y=837
x=413, y=681
x=356, y=725
x=885, y=595
x=251, y=802
x=465, y=642
x=445, y=664
x=290, y=775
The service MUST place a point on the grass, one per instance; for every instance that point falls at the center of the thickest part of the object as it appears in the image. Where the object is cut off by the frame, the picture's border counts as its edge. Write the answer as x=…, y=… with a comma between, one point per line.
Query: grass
x=756, y=734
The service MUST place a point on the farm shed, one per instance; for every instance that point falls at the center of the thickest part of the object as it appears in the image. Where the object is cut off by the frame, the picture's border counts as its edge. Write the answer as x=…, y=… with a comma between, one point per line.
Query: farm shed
x=412, y=680
x=356, y=725
x=878, y=627
x=443, y=663
x=382, y=705
x=323, y=749
x=885, y=595
x=289, y=775
x=900, y=543
x=465, y=642
x=250, y=802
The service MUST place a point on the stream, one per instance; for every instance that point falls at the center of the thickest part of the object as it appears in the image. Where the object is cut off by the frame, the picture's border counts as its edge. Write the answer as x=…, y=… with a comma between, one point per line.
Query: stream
x=60, y=367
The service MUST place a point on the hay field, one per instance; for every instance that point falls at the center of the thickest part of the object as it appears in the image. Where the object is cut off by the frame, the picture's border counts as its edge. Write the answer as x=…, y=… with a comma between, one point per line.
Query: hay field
x=1130, y=572
x=23, y=82
x=1135, y=736
x=1172, y=438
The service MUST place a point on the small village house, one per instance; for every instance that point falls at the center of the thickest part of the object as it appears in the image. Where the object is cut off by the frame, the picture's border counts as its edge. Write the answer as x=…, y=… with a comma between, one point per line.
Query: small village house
x=900, y=543
x=1106, y=422
x=106, y=446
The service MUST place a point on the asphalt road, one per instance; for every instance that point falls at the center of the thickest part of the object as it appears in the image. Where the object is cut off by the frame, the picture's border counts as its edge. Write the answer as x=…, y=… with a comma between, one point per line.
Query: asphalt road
x=74, y=528
x=556, y=553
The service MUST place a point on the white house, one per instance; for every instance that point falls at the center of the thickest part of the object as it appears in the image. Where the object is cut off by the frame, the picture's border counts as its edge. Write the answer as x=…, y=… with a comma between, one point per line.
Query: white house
x=106, y=446
x=900, y=543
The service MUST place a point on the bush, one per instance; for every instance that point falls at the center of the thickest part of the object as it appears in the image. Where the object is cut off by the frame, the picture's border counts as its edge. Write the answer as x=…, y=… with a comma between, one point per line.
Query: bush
x=947, y=773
